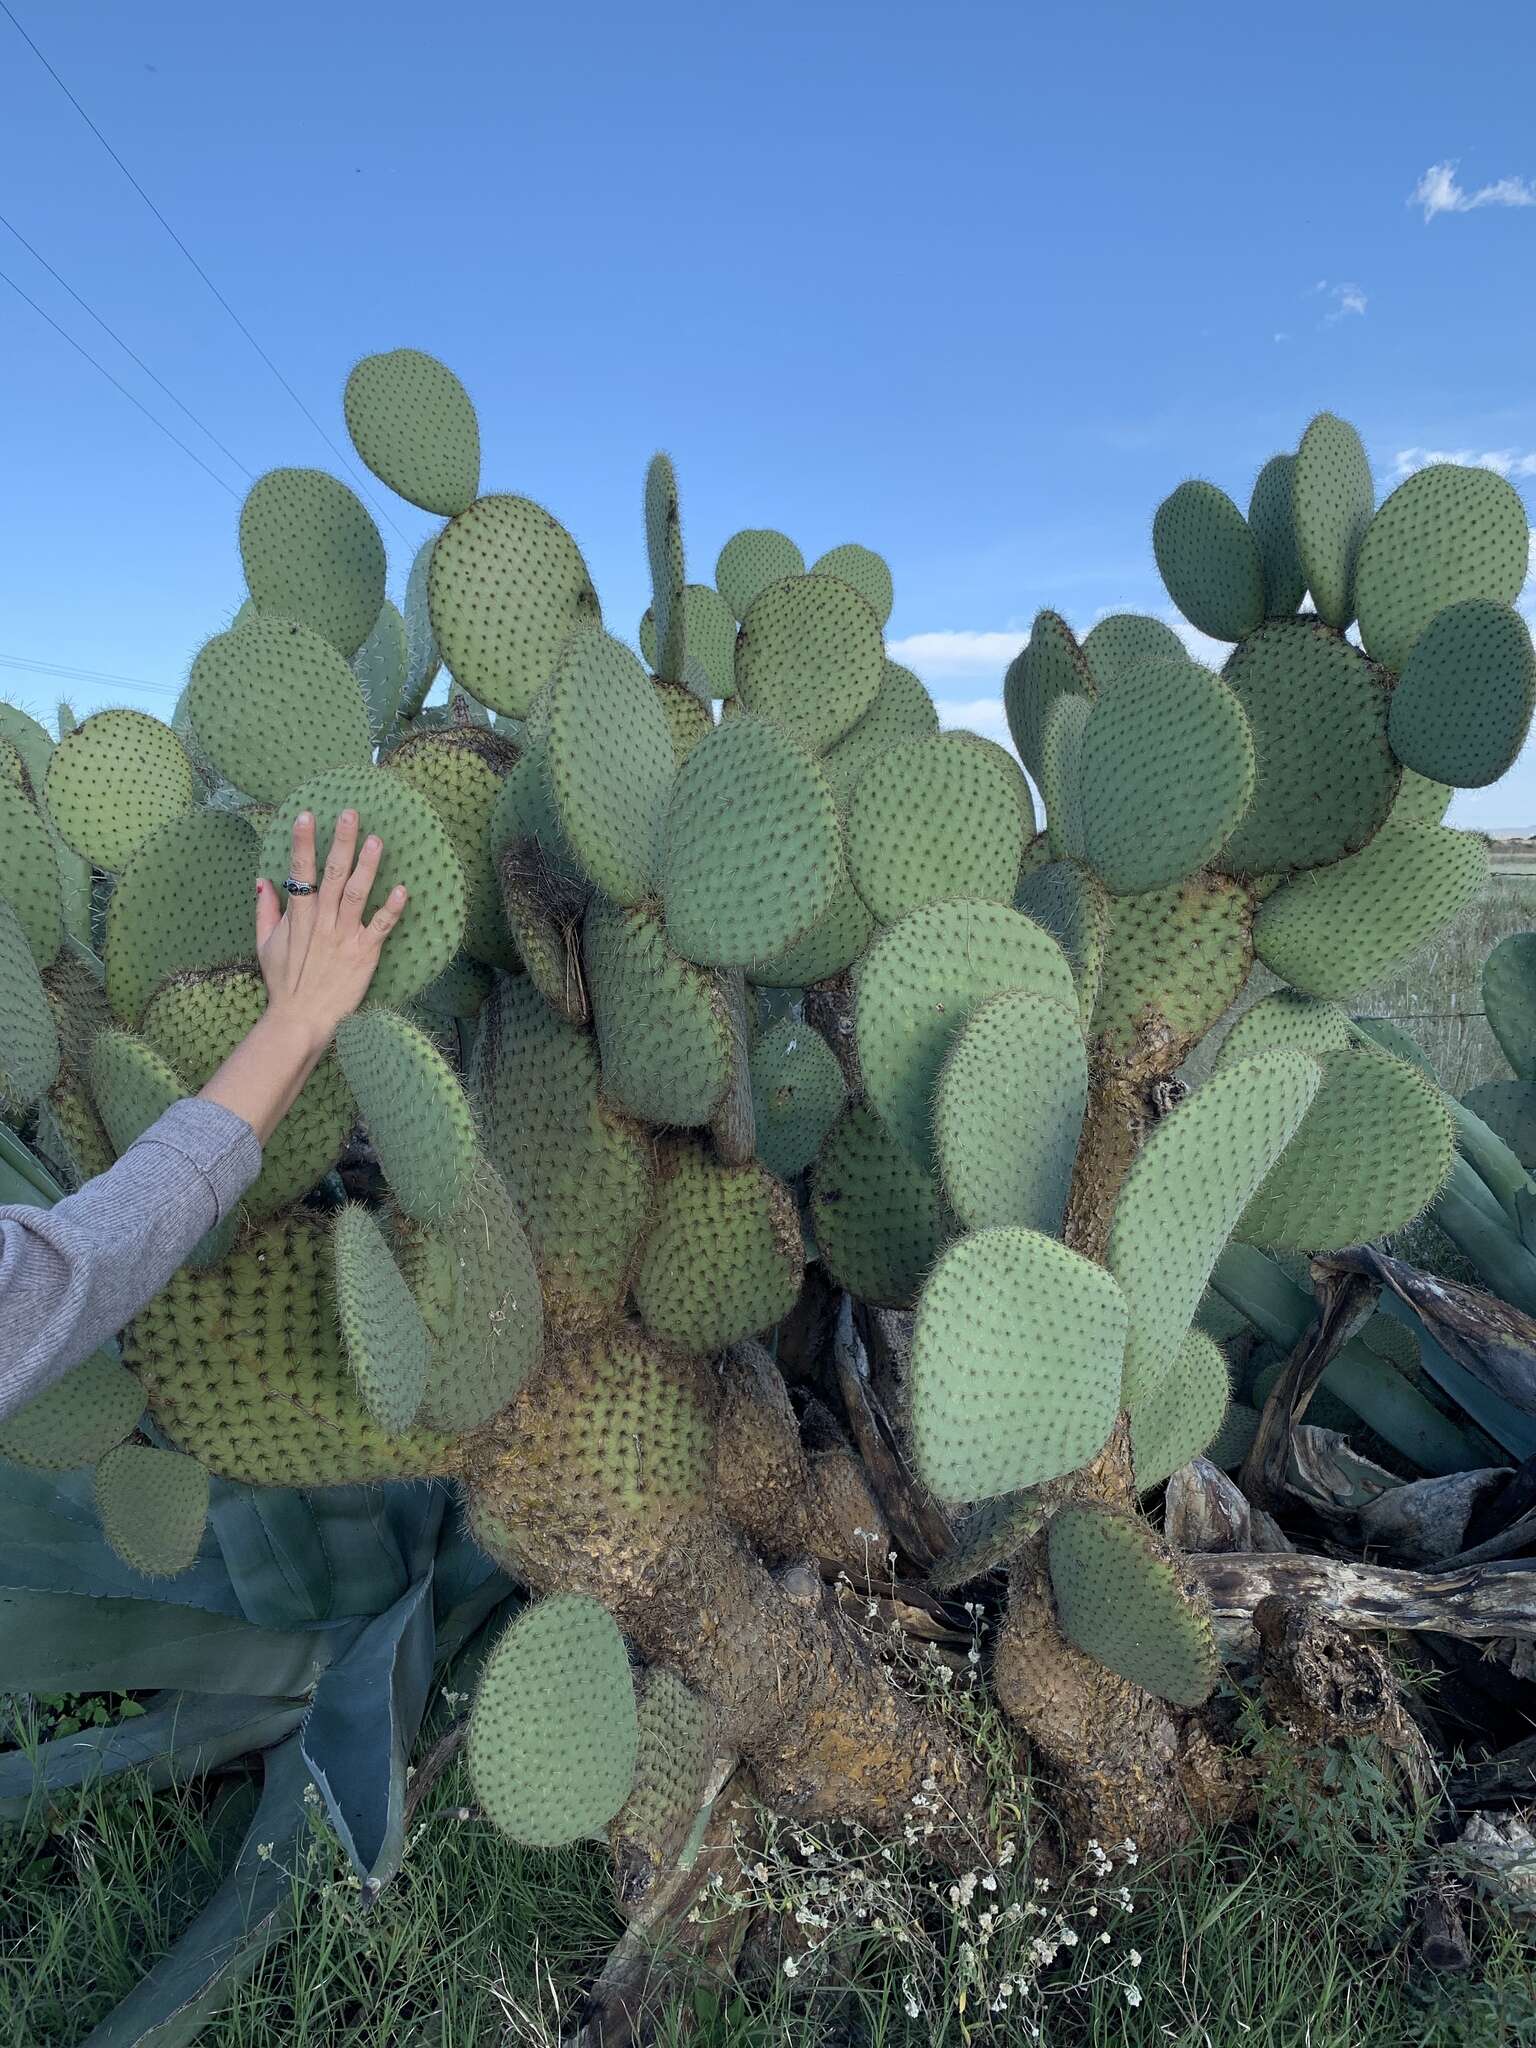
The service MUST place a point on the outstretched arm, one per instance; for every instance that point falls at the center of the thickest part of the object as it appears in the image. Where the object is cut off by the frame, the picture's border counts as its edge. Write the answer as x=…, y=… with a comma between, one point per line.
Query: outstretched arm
x=72, y=1275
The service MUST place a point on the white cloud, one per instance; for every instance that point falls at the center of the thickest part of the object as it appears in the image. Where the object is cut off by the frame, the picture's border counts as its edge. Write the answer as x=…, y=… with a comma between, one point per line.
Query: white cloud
x=1507, y=461
x=963, y=656
x=1438, y=192
x=976, y=714
x=1346, y=299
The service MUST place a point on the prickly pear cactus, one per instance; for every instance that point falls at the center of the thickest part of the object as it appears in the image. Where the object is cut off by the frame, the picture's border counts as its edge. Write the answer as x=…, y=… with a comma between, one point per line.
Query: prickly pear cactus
x=728, y=984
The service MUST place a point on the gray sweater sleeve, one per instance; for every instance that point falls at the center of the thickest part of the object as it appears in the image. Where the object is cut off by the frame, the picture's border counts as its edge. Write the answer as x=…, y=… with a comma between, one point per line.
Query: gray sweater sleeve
x=73, y=1275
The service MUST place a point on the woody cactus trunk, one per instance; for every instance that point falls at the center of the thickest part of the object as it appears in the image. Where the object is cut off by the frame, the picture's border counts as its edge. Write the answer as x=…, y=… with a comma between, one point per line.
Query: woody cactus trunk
x=730, y=983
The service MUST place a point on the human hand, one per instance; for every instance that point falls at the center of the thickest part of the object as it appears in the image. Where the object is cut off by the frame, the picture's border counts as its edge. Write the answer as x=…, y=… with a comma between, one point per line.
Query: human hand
x=317, y=954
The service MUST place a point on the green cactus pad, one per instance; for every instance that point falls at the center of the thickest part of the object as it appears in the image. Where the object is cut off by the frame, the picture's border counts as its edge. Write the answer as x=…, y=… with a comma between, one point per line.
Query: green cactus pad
x=29, y=1039
x=381, y=1326
x=552, y=1731
x=70, y=1135
x=413, y=1107
x=750, y=561
x=611, y=765
x=381, y=666
x=1446, y=533
x=988, y=1536
x=1119, y=1601
x=880, y=1220
x=242, y=1364
x=132, y=1086
x=664, y=551
x=1174, y=959
x=838, y=937
x=195, y=1022
x=1074, y=907
x=1371, y=1154
x=412, y=422
x=662, y=1030
x=1185, y=1191
x=153, y=1507
x=422, y=657
x=1289, y=1021
x=934, y=818
x=1419, y=800
x=1232, y=1442
x=75, y=1421
x=751, y=855
x=1123, y=639
x=810, y=658
x=78, y=999
x=459, y=991
x=1509, y=999
x=709, y=667
x=722, y=1256
x=507, y=587
x=1271, y=521
x=798, y=1093
x=1326, y=775
x=13, y=768
x=1015, y=1364
x=902, y=710
x=864, y=571
x=1061, y=776
x=1209, y=561
x=1165, y=775
x=543, y=890
x=1008, y=1111
x=29, y=870
x=1331, y=499
x=312, y=553
x=1340, y=929
x=274, y=704
x=1051, y=665
x=676, y=1747
x=474, y=1282
x=579, y=1173
x=462, y=773
x=206, y=864
x=33, y=744
x=1462, y=706
x=417, y=852
x=1508, y=1108
x=114, y=781
x=1182, y=1414
x=688, y=717
x=916, y=988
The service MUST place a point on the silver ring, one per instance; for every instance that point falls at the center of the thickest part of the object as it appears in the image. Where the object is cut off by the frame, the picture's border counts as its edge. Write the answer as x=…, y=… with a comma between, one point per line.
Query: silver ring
x=294, y=888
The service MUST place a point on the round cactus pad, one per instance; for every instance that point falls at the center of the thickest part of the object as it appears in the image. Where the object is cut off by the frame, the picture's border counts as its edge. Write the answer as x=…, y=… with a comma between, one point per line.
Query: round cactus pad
x=1209, y=561
x=752, y=856
x=381, y=1326
x=507, y=588
x=809, y=656
x=1061, y=776
x=722, y=1257
x=153, y=1506
x=1371, y=1153
x=417, y=852
x=76, y=1420
x=29, y=870
x=1446, y=533
x=1185, y=1191
x=672, y=1762
x=916, y=988
x=832, y=944
x=709, y=666
x=1509, y=998
x=938, y=817
x=412, y=422
x=132, y=1086
x=1271, y=521
x=1173, y=961
x=33, y=744
x=1326, y=775
x=750, y=561
x=414, y=1109
x=864, y=571
x=611, y=765
x=1182, y=1414
x=1462, y=706
x=206, y=864
x=902, y=710
x=1122, y=639
x=381, y=665
x=275, y=705
x=662, y=1026
x=1508, y=1108
x=1332, y=495
x=552, y=1732
x=688, y=717
x=114, y=780
x=1073, y=906
x=1119, y=1601
x=1016, y=1358
x=1288, y=1021
x=880, y=1219
x=1051, y=665
x=798, y=1093
x=29, y=1039
x=987, y=1537
x=1165, y=774
x=1008, y=1111
x=312, y=553
x=1340, y=929
x=462, y=772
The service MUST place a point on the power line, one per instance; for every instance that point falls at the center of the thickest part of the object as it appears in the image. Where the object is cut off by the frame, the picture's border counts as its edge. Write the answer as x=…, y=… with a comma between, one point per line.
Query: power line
x=132, y=354
x=61, y=672
x=81, y=349
x=207, y=280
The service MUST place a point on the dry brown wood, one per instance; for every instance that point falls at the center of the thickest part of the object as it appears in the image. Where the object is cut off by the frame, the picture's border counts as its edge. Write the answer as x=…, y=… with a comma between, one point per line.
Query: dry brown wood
x=1474, y=1602
x=915, y=1520
x=1491, y=1338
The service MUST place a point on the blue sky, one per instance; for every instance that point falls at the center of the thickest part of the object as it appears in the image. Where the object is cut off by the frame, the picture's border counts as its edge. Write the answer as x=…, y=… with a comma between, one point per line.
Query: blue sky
x=975, y=285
